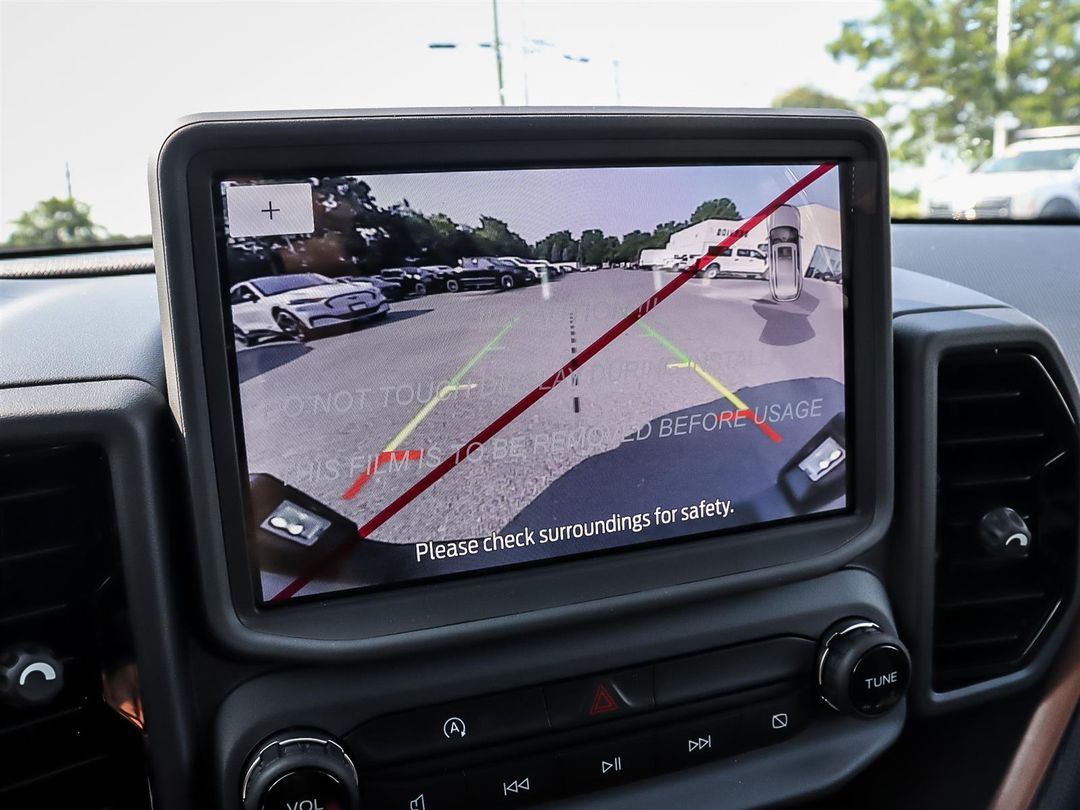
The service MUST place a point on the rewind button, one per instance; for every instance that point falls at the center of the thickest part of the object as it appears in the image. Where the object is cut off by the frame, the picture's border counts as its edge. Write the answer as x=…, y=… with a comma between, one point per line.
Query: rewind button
x=513, y=784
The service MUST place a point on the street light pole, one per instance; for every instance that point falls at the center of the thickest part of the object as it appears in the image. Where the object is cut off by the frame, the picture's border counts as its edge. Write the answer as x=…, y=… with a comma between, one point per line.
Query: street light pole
x=498, y=51
x=1001, y=78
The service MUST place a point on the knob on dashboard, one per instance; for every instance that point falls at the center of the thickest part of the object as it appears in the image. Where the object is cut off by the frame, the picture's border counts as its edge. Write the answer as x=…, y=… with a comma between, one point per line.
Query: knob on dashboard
x=29, y=675
x=862, y=670
x=300, y=770
x=1005, y=534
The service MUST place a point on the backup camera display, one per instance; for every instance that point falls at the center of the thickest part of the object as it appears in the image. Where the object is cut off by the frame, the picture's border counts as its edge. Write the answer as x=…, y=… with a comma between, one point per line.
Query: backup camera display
x=439, y=373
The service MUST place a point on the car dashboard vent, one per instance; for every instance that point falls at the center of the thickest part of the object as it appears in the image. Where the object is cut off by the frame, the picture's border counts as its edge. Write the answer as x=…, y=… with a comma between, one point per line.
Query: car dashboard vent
x=1006, y=440
x=57, y=561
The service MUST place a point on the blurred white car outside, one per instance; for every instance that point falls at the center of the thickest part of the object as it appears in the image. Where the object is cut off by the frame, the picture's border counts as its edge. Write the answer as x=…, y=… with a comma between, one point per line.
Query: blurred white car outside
x=1037, y=177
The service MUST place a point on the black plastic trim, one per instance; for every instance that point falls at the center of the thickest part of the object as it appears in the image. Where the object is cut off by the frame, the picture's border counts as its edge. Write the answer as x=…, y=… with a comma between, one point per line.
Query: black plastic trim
x=127, y=419
x=921, y=340
x=347, y=695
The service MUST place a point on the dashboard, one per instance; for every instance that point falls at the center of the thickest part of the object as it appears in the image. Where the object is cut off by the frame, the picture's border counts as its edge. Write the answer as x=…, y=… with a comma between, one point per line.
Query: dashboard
x=484, y=530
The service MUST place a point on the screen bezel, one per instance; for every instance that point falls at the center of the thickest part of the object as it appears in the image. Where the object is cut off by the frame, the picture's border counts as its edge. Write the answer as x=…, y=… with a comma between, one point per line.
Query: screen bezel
x=197, y=344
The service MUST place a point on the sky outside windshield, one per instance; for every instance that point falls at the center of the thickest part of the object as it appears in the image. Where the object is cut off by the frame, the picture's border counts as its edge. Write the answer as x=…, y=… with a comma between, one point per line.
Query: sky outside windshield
x=253, y=55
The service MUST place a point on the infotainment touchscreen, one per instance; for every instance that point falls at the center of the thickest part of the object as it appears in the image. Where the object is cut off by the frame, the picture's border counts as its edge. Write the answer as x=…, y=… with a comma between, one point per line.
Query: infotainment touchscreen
x=439, y=373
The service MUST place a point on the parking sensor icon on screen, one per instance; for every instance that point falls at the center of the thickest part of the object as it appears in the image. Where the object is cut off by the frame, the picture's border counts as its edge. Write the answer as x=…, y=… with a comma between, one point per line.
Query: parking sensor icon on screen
x=271, y=209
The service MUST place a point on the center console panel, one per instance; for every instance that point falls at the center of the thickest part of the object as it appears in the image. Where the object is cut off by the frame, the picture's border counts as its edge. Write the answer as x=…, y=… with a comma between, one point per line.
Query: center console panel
x=726, y=683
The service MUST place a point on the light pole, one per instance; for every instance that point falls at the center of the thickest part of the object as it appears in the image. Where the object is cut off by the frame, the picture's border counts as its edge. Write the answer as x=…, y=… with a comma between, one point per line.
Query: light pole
x=1001, y=73
x=498, y=51
x=528, y=47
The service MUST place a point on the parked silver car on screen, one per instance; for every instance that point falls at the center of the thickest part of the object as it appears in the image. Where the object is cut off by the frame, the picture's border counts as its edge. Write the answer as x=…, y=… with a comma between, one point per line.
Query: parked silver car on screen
x=785, y=262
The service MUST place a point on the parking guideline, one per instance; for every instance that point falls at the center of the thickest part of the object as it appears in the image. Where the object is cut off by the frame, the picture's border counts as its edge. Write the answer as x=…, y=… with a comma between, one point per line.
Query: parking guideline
x=391, y=452
x=685, y=361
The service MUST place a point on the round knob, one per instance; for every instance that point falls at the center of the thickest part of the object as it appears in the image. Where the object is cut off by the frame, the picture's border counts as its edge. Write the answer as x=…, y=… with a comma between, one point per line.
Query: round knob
x=300, y=770
x=1005, y=534
x=29, y=675
x=862, y=670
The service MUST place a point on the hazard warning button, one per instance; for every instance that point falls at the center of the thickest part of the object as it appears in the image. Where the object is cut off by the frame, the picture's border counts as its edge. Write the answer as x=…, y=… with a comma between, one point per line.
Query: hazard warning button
x=604, y=697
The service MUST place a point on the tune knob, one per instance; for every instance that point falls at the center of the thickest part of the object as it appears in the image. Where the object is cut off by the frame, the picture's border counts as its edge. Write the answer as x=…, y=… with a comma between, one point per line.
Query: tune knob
x=300, y=770
x=862, y=670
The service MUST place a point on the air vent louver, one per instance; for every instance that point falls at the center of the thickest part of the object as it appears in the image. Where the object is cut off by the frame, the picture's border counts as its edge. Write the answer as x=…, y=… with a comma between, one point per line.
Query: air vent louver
x=1006, y=438
x=57, y=551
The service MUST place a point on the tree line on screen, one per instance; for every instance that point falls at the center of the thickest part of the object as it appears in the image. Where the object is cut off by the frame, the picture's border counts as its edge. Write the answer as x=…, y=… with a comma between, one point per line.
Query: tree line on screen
x=354, y=234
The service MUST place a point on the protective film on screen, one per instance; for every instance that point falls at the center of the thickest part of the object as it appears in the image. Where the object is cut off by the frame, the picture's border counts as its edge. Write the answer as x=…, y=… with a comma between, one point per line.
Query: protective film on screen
x=439, y=373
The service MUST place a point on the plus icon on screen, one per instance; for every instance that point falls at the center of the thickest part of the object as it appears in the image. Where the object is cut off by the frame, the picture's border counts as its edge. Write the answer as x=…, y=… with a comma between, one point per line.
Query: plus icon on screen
x=270, y=210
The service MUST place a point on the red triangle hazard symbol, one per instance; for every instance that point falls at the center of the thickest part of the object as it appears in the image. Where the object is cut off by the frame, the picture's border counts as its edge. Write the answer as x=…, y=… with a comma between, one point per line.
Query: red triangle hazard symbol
x=603, y=702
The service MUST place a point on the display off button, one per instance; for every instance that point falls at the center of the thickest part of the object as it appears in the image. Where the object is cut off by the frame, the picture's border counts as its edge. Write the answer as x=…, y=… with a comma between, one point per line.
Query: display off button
x=776, y=720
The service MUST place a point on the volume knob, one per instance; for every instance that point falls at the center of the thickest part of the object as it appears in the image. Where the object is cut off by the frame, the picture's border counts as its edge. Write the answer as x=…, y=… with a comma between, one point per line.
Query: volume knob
x=300, y=770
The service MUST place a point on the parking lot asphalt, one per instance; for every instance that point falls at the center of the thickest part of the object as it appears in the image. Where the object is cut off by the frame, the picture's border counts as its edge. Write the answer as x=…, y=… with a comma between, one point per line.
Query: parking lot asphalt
x=355, y=419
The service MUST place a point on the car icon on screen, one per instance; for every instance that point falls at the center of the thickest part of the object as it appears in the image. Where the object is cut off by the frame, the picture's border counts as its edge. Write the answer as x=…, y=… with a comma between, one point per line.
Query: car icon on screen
x=785, y=263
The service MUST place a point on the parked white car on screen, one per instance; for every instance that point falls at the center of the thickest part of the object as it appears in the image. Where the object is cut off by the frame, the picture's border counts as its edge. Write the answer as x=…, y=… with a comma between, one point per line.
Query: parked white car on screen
x=785, y=261
x=300, y=304
x=734, y=263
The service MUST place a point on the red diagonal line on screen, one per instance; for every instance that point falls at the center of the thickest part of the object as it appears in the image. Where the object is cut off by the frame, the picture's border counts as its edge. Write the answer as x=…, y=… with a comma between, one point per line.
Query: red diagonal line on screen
x=534, y=396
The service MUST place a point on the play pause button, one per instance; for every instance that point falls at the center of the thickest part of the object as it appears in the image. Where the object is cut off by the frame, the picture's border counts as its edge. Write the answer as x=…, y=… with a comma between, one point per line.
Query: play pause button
x=607, y=767
x=607, y=764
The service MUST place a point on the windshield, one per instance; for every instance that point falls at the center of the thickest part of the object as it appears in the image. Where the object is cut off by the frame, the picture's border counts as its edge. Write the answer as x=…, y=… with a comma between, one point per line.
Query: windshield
x=284, y=284
x=1044, y=160
x=80, y=117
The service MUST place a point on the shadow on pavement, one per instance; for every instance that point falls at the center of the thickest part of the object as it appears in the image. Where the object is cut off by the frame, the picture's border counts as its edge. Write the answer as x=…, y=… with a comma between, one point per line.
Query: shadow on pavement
x=395, y=315
x=787, y=323
x=261, y=359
